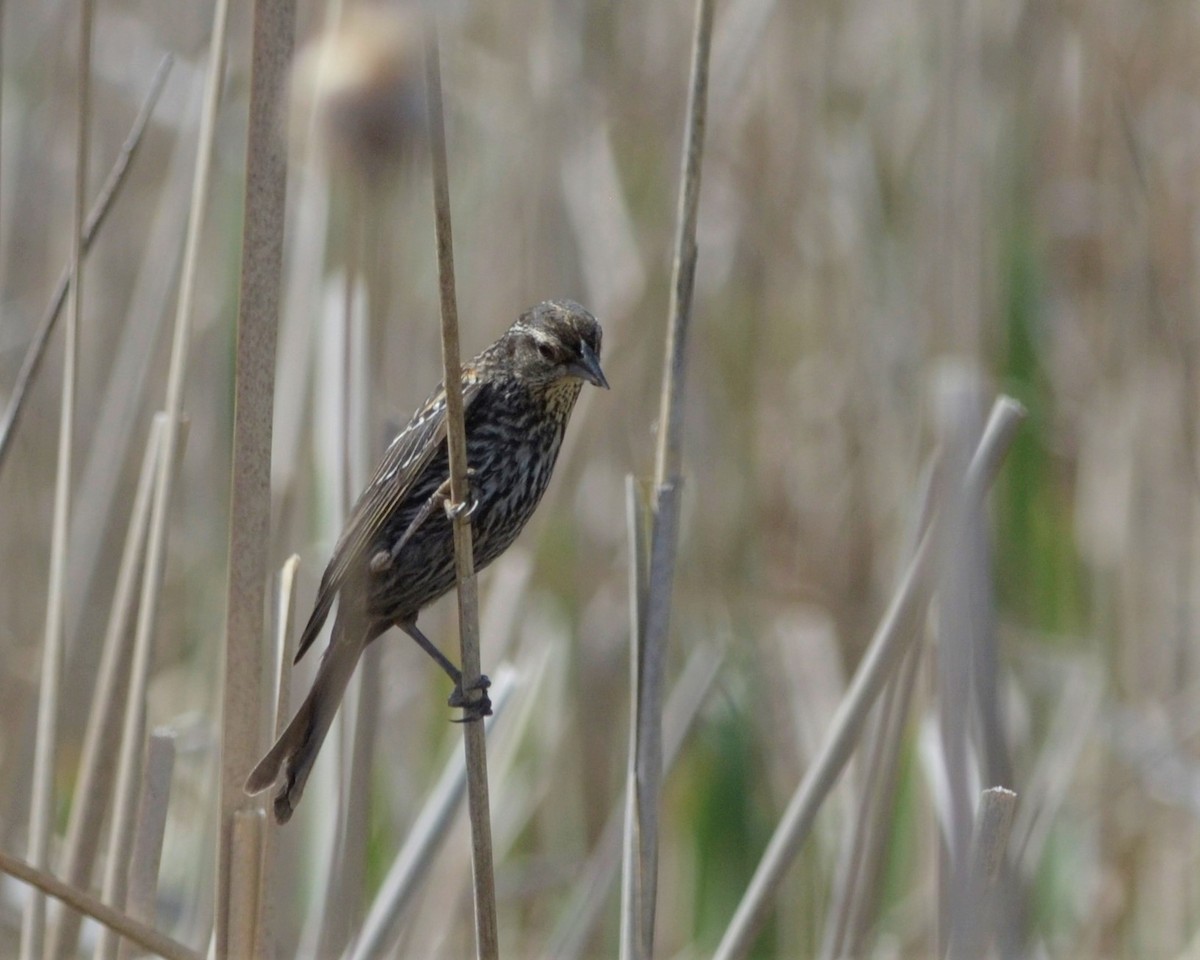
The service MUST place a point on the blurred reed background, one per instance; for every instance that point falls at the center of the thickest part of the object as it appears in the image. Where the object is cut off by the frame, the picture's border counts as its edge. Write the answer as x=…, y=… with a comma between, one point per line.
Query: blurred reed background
x=907, y=207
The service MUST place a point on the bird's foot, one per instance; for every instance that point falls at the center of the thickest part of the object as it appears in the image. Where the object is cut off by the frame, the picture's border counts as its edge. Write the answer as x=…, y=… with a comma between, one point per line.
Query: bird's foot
x=383, y=559
x=465, y=510
x=475, y=709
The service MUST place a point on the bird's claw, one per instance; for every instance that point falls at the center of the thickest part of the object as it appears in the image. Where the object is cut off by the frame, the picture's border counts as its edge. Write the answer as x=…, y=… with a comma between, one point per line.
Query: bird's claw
x=384, y=559
x=472, y=709
x=464, y=510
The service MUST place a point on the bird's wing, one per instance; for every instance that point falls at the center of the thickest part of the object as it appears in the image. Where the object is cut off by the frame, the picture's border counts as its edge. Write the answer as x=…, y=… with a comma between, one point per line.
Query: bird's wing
x=406, y=457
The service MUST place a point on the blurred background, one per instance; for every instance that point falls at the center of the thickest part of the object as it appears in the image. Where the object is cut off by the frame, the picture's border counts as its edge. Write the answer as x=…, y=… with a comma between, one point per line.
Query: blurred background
x=894, y=193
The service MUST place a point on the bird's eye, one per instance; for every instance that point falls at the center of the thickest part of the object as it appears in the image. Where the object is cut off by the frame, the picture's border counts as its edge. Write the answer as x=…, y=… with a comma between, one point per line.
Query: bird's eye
x=546, y=351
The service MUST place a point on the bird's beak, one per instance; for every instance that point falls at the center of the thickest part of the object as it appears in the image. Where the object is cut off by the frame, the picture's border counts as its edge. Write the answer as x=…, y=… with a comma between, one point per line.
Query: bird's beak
x=587, y=367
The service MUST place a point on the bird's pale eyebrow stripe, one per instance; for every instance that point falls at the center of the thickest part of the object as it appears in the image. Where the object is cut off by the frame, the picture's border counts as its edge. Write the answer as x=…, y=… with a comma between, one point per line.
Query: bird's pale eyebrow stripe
x=542, y=336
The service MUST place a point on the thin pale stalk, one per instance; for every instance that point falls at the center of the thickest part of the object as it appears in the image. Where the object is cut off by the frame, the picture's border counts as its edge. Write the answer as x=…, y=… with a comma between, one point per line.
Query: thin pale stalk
x=429, y=831
x=103, y=203
x=655, y=619
x=284, y=619
x=364, y=267
x=118, y=429
x=637, y=532
x=90, y=906
x=123, y=818
x=362, y=302
x=250, y=493
x=849, y=873
x=857, y=874
x=475, y=744
x=865, y=893
x=141, y=899
x=93, y=786
x=344, y=889
x=892, y=639
x=652, y=649
x=42, y=802
x=343, y=894
x=325, y=785
x=541, y=669
x=668, y=460
x=303, y=296
x=539, y=681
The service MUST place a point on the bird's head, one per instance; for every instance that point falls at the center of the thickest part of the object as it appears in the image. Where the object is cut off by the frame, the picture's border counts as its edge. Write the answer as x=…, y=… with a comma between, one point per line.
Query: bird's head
x=556, y=340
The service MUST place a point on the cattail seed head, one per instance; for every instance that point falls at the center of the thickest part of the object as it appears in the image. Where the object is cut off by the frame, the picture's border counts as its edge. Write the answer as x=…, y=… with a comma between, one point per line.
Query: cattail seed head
x=361, y=85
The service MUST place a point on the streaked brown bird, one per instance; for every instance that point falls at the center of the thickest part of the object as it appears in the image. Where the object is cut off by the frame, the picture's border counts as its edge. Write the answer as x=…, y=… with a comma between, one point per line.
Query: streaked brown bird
x=396, y=554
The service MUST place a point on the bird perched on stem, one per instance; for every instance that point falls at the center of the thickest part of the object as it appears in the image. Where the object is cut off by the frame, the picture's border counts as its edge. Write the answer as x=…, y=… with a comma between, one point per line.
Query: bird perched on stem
x=396, y=554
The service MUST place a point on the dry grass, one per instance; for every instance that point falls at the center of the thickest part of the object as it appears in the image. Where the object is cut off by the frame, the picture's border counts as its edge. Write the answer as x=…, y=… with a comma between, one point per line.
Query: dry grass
x=886, y=187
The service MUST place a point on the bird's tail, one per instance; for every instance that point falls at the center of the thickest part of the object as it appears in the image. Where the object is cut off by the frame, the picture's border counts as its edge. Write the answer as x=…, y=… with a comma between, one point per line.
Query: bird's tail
x=296, y=750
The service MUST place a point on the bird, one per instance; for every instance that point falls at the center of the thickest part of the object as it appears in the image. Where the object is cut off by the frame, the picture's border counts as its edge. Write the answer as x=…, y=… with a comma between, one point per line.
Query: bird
x=395, y=555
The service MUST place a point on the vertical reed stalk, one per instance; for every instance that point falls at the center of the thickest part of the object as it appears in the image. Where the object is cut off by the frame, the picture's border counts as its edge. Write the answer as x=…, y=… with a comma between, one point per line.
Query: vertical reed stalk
x=474, y=738
x=244, y=880
x=962, y=614
x=250, y=494
x=42, y=801
x=653, y=620
x=264, y=924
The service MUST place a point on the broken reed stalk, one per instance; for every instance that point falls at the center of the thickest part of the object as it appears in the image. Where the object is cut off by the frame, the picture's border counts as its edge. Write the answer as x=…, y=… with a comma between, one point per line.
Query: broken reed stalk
x=971, y=927
x=42, y=801
x=104, y=201
x=147, y=937
x=238, y=850
x=141, y=896
x=893, y=637
x=653, y=619
x=474, y=738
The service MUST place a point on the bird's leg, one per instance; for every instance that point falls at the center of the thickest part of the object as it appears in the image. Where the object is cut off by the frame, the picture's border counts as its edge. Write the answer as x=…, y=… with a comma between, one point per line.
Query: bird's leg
x=472, y=709
x=383, y=559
